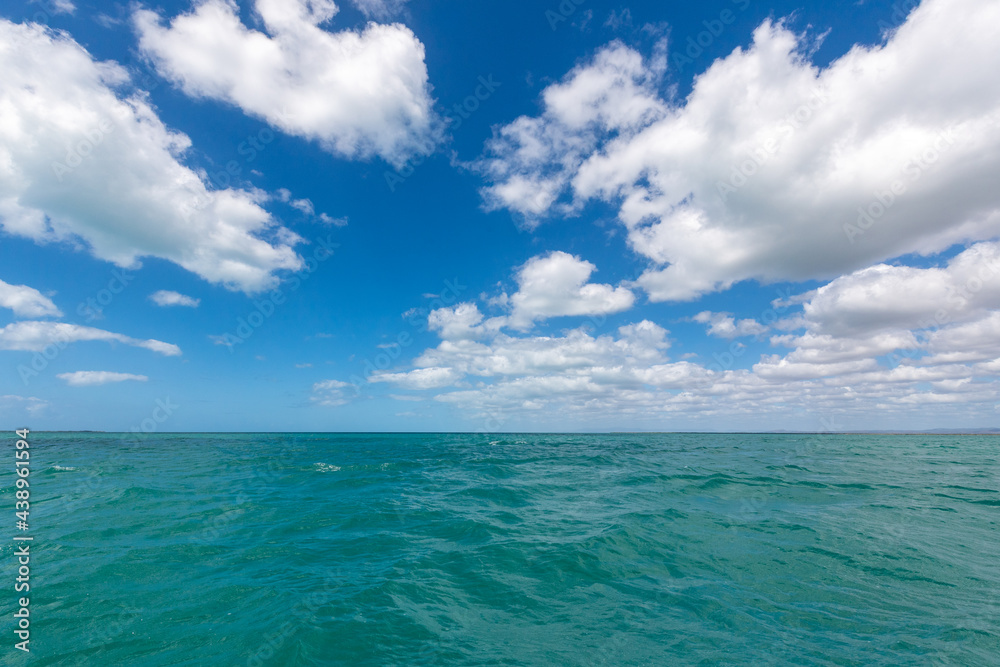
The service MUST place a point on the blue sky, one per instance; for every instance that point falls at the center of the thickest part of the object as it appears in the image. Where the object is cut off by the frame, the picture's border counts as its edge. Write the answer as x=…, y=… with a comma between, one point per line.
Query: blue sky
x=489, y=216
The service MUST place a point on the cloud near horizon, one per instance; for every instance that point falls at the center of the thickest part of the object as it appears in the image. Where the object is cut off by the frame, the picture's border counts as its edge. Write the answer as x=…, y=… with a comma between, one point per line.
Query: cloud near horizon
x=860, y=345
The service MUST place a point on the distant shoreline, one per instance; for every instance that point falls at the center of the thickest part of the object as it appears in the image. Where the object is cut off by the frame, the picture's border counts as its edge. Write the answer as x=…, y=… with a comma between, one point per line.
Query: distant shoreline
x=943, y=432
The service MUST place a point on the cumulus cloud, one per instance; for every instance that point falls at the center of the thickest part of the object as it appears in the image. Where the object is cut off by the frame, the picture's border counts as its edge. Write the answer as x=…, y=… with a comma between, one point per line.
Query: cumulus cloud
x=725, y=325
x=331, y=393
x=552, y=285
x=841, y=367
x=420, y=378
x=79, y=161
x=91, y=378
x=35, y=336
x=462, y=322
x=773, y=168
x=532, y=160
x=636, y=344
x=358, y=93
x=971, y=341
x=884, y=297
x=26, y=301
x=556, y=285
x=168, y=298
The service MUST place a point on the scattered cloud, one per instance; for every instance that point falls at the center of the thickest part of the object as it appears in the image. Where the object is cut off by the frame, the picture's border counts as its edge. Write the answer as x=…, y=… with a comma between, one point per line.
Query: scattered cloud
x=619, y=19
x=358, y=93
x=168, y=298
x=532, y=160
x=461, y=322
x=331, y=393
x=83, y=162
x=35, y=336
x=91, y=378
x=552, y=285
x=860, y=345
x=724, y=325
x=556, y=285
x=772, y=168
x=380, y=9
x=884, y=297
x=31, y=405
x=420, y=378
x=26, y=301
x=58, y=6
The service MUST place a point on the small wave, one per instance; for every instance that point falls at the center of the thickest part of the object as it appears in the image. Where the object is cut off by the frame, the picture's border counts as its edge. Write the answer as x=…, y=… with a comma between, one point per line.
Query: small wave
x=63, y=468
x=326, y=467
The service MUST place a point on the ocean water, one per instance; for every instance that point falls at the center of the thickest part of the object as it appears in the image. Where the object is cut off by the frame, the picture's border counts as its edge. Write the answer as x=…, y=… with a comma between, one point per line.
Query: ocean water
x=458, y=549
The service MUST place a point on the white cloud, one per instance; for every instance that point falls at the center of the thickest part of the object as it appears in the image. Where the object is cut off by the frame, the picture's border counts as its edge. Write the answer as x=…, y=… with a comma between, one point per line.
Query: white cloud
x=914, y=113
x=638, y=344
x=57, y=6
x=35, y=336
x=26, y=301
x=91, y=378
x=533, y=159
x=725, y=325
x=357, y=93
x=331, y=393
x=79, y=162
x=824, y=348
x=31, y=405
x=459, y=323
x=380, y=9
x=556, y=285
x=552, y=285
x=971, y=341
x=307, y=208
x=883, y=296
x=420, y=378
x=840, y=371
x=169, y=298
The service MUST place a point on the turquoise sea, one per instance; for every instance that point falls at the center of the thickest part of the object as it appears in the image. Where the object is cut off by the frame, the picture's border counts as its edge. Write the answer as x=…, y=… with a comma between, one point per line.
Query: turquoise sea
x=460, y=549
